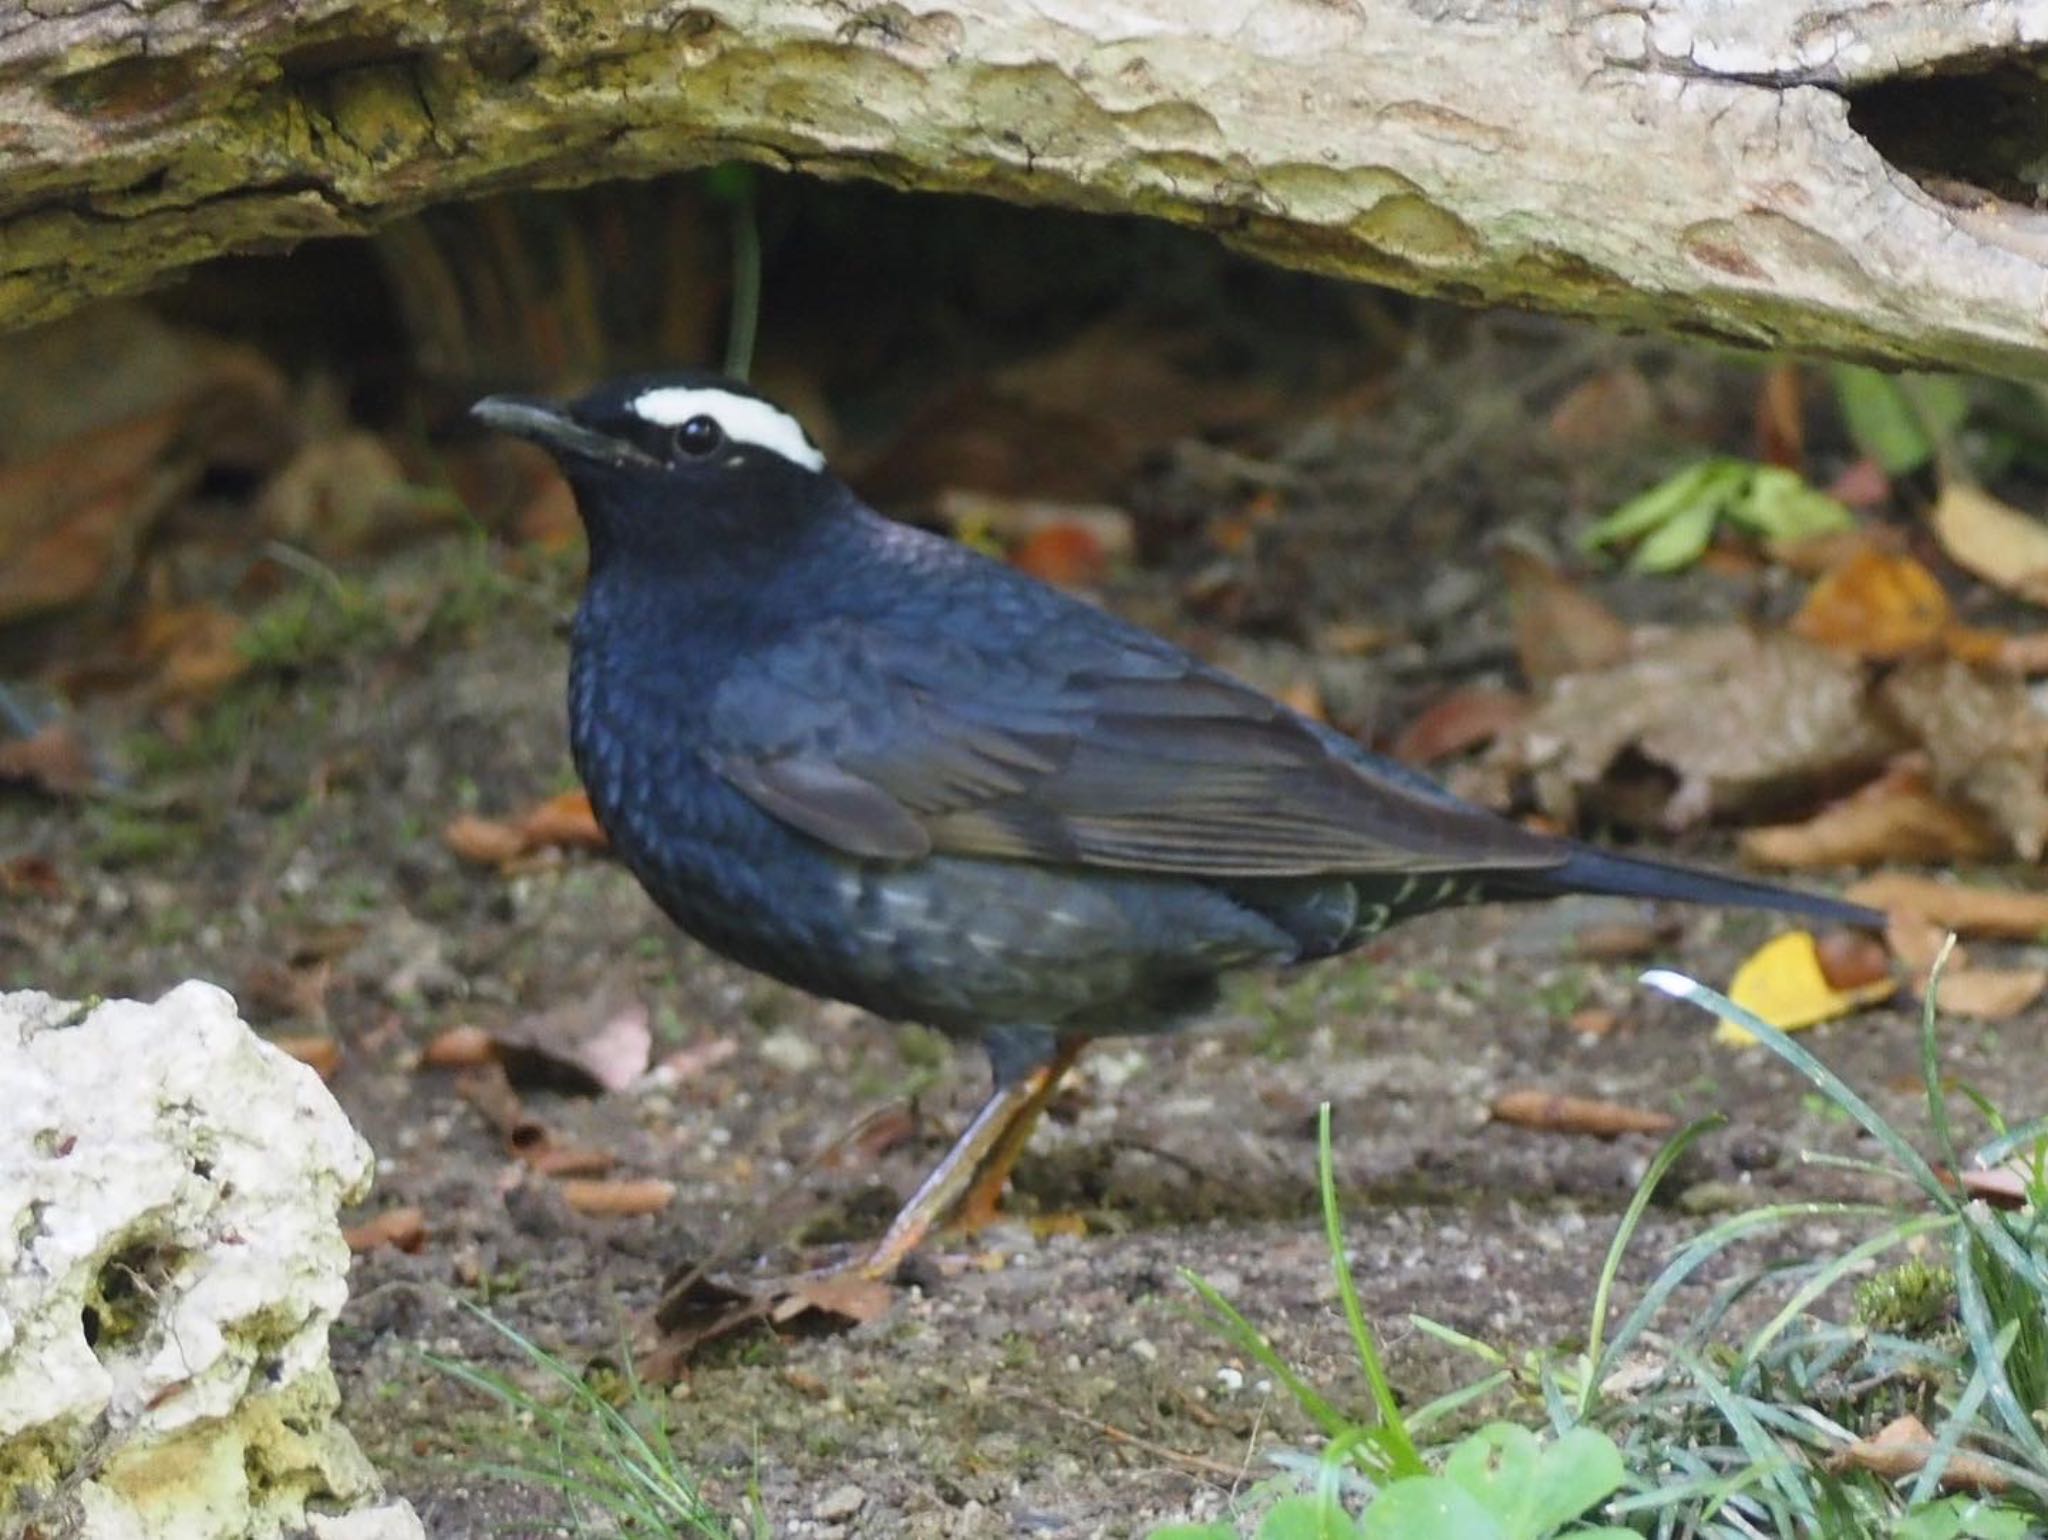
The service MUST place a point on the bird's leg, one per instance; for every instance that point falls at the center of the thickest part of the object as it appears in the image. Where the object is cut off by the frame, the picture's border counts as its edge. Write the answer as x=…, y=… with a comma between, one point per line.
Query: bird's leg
x=974, y=1170
x=982, y=1204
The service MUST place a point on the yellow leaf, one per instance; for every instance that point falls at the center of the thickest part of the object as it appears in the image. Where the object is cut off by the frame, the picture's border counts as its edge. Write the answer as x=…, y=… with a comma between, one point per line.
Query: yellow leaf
x=1997, y=542
x=1783, y=983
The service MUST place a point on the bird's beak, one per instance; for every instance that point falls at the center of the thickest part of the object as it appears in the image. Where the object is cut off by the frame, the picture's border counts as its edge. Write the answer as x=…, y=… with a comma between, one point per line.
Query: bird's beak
x=554, y=430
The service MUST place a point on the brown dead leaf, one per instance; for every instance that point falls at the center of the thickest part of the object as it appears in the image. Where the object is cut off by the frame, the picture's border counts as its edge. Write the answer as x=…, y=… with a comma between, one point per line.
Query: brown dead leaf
x=568, y=1160
x=489, y=1090
x=1064, y=555
x=1903, y=1447
x=1876, y=605
x=483, y=841
x=564, y=821
x=1016, y=521
x=618, y=1200
x=599, y=1043
x=1605, y=409
x=1594, y=1021
x=72, y=519
x=30, y=876
x=1549, y=1112
x=840, y=1299
x=2007, y=1187
x=1817, y=555
x=2001, y=545
x=1464, y=719
x=1352, y=639
x=1784, y=983
x=53, y=760
x=459, y=1048
x=1917, y=942
x=402, y=1229
x=345, y=493
x=1743, y=720
x=1990, y=994
x=1897, y=817
x=193, y=650
x=2024, y=654
x=1851, y=960
x=695, y=1061
x=1969, y=911
x=319, y=1052
x=1781, y=418
x=1862, y=485
x=1988, y=745
x=1560, y=629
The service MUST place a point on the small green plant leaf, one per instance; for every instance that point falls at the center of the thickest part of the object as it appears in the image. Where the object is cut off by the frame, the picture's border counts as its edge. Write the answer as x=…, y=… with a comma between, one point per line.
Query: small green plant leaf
x=1899, y=420
x=1428, y=1508
x=1707, y=481
x=1532, y=1490
x=1779, y=505
x=1962, y=1518
x=1216, y=1531
x=1680, y=540
x=1306, y=1518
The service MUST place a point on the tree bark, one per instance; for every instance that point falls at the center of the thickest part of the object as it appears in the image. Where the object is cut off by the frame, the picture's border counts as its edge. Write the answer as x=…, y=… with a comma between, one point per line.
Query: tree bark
x=1681, y=164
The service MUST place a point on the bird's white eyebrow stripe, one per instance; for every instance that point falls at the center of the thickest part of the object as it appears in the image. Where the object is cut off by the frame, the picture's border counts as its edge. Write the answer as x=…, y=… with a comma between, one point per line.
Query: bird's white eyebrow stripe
x=745, y=420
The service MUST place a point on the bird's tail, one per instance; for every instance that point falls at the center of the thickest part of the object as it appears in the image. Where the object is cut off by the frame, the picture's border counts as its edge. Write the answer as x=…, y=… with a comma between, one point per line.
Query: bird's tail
x=1599, y=871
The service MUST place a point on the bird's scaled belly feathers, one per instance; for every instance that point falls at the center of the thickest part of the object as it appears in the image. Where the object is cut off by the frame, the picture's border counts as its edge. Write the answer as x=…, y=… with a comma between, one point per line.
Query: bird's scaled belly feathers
x=956, y=943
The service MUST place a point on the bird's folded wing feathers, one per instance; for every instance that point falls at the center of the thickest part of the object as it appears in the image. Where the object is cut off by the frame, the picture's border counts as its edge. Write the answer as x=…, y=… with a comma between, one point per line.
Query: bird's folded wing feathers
x=1134, y=757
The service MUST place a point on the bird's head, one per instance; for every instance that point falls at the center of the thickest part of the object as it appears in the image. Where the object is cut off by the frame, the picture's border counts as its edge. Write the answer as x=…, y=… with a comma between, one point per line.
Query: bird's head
x=674, y=461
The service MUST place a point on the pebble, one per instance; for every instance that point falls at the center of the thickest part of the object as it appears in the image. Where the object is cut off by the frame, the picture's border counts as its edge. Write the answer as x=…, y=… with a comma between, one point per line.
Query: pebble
x=839, y=1504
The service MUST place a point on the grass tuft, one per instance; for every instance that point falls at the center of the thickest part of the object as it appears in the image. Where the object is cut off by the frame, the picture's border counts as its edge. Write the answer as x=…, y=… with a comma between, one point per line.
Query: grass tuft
x=1717, y=1427
x=606, y=1450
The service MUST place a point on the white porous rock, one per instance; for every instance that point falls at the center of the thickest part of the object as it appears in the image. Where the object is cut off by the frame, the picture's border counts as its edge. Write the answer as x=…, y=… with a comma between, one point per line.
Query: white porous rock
x=170, y=1262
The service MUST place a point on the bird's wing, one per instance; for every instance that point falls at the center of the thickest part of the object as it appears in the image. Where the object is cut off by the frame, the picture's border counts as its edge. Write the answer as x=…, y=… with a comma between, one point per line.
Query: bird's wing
x=1111, y=750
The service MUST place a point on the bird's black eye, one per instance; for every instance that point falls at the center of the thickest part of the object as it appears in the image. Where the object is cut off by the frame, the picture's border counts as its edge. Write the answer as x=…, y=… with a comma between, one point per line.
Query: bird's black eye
x=699, y=436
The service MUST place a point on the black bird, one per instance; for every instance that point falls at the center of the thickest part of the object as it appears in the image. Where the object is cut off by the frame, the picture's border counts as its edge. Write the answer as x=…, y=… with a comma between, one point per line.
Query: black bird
x=864, y=760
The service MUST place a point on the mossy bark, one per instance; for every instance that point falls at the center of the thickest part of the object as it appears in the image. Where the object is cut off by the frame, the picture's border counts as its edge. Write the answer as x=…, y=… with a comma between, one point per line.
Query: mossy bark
x=1684, y=164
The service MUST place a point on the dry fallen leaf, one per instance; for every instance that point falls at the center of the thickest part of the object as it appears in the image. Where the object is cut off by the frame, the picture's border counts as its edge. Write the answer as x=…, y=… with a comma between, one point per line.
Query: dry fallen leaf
x=1549, y=1112
x=1604, y=409
x=1853, y=959
x=1917, y=942
x=195, y=650
x=1742, y=719
x=1988, y=744
x=563, y=821
x=1560, y=629
x=459, y=1048
x=1781, y=418
x=318, y=1051
x=568, y=1160
x=402, y=1229
x=2024, y=654
x=483, y=841
x=1782, y=982
x=1990, y=994
x=1464, y=719
x=30, y=876
x=1064, y=555
x=1969, y=911
x=2007, y=1186
x=1897, y=817
x=1997, y=542
x=1903, y=1447
x=601, y=1042
x=618, y=1200
x=843, y=1299
x=1877, y=605
x=53, y=759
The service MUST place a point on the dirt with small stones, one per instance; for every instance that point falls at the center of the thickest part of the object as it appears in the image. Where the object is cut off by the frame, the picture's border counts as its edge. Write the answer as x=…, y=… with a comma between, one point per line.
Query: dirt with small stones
x=1033, y=1380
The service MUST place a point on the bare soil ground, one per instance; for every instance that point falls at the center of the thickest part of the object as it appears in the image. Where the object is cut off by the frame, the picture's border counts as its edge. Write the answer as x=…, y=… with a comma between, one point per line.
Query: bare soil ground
x=1025, y=1385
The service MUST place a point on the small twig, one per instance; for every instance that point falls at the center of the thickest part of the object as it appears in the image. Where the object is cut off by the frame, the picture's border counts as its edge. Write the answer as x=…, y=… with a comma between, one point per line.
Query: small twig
x=1200, y=1464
